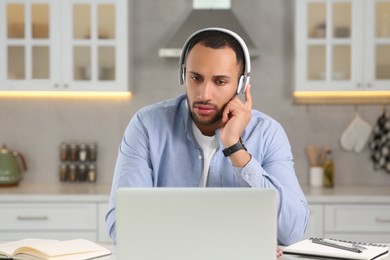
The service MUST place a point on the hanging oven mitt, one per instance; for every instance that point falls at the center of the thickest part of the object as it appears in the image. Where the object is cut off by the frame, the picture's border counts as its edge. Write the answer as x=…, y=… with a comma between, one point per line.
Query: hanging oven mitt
x=356, y=135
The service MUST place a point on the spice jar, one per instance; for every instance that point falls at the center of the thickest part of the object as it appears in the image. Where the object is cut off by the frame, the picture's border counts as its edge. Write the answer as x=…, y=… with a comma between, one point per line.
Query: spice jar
x=64, y=149
x=92, y=149
x=63, y=172
x=82, y=153
x=73, y=152
x=92, y=172
x=82, y=173
x=72, y=176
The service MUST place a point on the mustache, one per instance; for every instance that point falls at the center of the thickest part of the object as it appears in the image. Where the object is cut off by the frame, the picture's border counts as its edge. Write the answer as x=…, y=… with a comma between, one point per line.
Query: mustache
x=203, y=103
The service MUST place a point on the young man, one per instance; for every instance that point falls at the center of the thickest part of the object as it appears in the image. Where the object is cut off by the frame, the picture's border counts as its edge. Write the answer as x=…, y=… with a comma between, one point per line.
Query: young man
x=209, y=137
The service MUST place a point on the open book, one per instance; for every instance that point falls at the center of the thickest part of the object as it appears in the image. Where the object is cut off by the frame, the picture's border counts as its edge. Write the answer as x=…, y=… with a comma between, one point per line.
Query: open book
x=336, y=249
x=47, y=249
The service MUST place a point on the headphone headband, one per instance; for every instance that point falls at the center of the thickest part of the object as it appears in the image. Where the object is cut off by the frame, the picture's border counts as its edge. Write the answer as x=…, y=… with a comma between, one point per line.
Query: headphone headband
x=244, y=79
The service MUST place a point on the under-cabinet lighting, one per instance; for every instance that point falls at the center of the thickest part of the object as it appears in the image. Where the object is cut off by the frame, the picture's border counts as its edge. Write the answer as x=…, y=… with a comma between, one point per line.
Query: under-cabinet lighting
x=342, y=94
x=342, y=97
x=63, y=94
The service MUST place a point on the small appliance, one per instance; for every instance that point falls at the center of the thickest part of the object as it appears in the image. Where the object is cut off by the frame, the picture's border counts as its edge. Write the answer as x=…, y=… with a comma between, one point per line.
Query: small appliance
x=11, y=165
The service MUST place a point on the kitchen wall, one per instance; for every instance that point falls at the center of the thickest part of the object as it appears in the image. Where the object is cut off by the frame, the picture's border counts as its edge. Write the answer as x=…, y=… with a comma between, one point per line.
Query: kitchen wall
x=37, y=126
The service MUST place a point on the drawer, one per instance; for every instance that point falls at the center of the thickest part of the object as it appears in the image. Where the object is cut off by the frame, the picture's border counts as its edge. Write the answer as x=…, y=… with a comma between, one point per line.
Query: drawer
x=48, y=216
x=315, y=225
x=357, y=218
x=103, y=235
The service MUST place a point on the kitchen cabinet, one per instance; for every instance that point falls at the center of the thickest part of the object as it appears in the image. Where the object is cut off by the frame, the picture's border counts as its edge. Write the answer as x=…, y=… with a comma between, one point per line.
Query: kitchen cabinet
x=73, y=45
x=315, y=224
x=103, y=235
x=355, y=213
x=363, y=222
x=54, y=211
x=342, y=47
x=48, y=220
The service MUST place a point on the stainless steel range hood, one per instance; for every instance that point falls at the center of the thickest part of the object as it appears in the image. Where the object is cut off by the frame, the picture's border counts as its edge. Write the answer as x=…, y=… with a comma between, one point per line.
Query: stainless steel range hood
x=200, y=17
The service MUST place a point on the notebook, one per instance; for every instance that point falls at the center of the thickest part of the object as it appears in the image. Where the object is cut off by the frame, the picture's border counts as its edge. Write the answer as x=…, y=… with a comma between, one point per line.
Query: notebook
x=196, y=223
x=336, y=249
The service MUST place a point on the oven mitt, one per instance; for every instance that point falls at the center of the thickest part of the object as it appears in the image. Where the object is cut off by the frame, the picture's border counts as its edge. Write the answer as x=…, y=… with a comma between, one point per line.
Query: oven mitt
x=356, y=135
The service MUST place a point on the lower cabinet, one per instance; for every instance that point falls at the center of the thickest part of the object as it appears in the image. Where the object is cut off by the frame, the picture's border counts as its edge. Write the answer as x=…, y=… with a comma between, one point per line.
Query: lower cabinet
x=315, y=224
x=362, y=222
x=53, y=220
x=102, y=227
x=368, y=222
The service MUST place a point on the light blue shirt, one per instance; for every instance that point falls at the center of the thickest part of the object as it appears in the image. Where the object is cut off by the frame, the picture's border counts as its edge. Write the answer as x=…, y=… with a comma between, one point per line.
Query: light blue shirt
x=159, y=149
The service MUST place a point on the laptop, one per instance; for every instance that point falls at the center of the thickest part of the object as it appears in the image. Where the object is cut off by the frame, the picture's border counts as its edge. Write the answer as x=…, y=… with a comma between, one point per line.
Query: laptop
x=196, y=223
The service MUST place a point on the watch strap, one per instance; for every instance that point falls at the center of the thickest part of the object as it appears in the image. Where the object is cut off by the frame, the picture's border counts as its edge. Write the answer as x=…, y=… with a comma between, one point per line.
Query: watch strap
x=234, y=148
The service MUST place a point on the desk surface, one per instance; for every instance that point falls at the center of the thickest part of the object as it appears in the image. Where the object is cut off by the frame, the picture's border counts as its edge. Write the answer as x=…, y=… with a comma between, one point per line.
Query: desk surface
x=284, y=257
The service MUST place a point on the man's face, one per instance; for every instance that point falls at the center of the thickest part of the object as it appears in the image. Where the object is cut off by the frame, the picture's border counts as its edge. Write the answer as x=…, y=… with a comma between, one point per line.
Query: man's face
x=211, y=82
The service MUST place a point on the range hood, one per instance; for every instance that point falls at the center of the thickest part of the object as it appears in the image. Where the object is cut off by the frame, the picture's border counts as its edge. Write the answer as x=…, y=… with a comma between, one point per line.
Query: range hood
x=211, y=13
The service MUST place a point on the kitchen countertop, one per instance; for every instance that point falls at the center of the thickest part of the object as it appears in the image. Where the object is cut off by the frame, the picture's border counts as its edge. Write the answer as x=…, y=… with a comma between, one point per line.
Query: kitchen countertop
x=348, y=194
x=77, y=192
x=91, y=192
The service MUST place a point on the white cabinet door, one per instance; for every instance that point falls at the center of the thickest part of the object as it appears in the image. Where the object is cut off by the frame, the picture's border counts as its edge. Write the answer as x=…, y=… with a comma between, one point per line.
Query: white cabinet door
x=75, y=45
x=361, y=223
x=103, y=235
x=377, y=36
x=342, y=47
x=48, y=220
x=95, y=45
x=315, y=225
x=357, y=218
x=328, y=45
x=28, y=45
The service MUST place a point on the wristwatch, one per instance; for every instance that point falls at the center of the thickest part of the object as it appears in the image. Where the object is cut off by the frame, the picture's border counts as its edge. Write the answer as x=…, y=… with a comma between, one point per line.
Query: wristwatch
x=234, y=148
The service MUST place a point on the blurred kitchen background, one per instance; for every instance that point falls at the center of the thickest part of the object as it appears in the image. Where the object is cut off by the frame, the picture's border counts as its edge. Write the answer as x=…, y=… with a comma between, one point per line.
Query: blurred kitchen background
x=36, y=126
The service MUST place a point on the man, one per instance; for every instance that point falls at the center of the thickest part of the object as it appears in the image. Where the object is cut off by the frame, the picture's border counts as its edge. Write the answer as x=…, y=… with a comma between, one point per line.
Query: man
x=209, y=137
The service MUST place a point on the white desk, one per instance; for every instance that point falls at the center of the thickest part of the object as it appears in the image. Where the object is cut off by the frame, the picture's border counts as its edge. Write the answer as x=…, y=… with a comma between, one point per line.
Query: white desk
x=284, y=257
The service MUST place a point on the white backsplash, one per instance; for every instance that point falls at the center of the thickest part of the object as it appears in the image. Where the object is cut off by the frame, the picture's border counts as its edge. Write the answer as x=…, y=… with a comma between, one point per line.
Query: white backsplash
x=37, y=126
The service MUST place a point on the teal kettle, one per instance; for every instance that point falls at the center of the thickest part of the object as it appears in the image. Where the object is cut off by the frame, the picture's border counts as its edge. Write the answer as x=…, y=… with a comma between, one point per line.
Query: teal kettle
x=11, y=165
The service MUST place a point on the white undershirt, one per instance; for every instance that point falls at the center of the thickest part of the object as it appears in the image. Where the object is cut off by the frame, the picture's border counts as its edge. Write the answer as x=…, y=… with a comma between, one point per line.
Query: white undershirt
x=209, y=145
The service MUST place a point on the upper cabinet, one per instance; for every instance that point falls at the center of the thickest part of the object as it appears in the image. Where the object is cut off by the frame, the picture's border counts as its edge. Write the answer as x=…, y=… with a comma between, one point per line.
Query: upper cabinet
x=72, y=45
x=342, y=50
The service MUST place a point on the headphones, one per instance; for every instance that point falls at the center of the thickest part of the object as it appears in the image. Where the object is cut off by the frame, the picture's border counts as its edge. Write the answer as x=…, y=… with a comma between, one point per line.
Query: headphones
x=244, y=78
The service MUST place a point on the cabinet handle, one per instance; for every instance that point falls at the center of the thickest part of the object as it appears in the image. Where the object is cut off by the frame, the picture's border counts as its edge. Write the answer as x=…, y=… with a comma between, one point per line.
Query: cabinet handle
x=34, y=218
x=382, y=220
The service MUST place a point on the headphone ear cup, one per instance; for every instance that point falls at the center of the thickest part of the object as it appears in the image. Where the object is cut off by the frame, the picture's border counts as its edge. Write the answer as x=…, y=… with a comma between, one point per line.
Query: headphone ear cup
x=241, y=85
x=182, y=73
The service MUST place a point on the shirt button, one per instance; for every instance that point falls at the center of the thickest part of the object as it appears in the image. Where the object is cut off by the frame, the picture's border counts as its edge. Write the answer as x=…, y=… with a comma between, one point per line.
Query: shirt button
x=199, y=157
x=247, y=176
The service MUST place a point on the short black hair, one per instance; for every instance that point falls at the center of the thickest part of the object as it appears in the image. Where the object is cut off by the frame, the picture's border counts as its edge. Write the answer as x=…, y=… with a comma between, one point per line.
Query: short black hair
x=217, y=40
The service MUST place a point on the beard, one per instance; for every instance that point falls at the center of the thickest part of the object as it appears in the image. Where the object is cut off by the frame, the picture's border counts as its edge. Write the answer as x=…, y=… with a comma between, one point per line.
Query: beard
x=207, y=121
x=216, y=119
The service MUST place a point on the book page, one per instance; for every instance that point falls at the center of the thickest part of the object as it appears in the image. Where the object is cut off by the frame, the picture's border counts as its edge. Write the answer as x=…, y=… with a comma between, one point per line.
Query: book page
x=69, y=249
x=9, y=248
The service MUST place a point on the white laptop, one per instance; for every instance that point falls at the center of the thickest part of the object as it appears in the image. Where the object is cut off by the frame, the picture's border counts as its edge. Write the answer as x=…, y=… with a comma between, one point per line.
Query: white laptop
x=196, y=223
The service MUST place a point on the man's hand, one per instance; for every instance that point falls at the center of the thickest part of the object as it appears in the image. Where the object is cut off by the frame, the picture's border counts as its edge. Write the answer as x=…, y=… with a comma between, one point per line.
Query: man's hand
x=279, y=252
x=235, y=118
